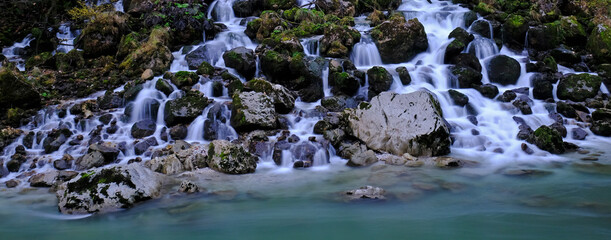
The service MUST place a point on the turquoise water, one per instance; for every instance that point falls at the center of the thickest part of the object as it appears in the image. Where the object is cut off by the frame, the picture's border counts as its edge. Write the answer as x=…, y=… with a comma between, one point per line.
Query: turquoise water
x=571, y=201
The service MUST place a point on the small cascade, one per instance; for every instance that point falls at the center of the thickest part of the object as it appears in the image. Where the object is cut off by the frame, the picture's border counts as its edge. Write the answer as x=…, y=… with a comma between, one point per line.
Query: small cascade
x=15, y=53
x=365, y=53
x=310, y=46
x=221, y=11
x=482, y=47
x=146, y=104
x=66, y=38
x=325, y=82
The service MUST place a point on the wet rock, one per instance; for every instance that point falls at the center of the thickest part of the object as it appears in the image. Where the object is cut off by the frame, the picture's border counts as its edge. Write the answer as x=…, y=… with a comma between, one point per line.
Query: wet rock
x=404, y=76
x=163, y=86
x=524, y=132
x=527, y=149
x=64, y=163
x=406, y=123
x=179, y=132
x=601, y=122
x=380, y=80
x=548, y=139
x=599, y=43
x=284, y=99
x=90, y=160
x=110, y=100
x=458, y=45
x=578, y=134
x=578, y=87
x=142, y=146
x=230, y=158
x=339, y=8
x=45, y=179
x=514, y=31
x=363, y=159
x=522, y=106
x=12, y=183
x=188, y=187
x=185, y=109
x=338, y=41
x=184, y=79
x=559, y=128
x=566, y=109
x=459, y=98
x=110, y=151
x=108, y=189
x=242, y=60
x=465, y=77
x=488, y=90
x=507, y=96
x=542, y=88
x=143, y=128
x=253, y=110
x=503, y=70
x=366, y=192
x=399, y=40
x=263, y=27
x=344, y=83
x=55, y=139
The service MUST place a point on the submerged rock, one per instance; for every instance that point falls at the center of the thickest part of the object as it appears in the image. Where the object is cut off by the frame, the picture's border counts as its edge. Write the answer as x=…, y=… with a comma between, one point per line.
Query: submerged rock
x=108, y=189
x=366, y=192
x=402, y=123
x=227, y=157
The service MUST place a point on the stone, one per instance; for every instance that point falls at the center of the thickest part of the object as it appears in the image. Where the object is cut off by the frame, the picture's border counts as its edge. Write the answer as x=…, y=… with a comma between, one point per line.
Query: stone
x=184, y=158
x=465, y=77
x=401, y=123
x=188, y=187
x=548, y=139
x=179, y=132
x=185, y=109
x=459, y=98
x=142, y=146
x=399, y=40
x=242, y=60
x=578, y=134
x=578, y=87
x=55, y=139
x=143, y=128
x=366, y=192
x=542, y=88
x=599, y=43
x=147, y=75
x=226, y=157
x=45, y=179
x=284, y=99
x=16, y=92
x=102, y=35
x=363, y=159
x=153, y=54
x=185, y=79
x=404, y=76
x=338, y=40
x=108, y=189
x=380, y=80
x=503, y=70
x=253, y=110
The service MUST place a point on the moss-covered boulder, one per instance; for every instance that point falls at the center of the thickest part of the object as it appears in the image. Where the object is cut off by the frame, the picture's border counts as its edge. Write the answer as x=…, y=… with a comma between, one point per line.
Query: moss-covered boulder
x=338, y=41
x=578, y=87
x=185, y=109
x=284, y=99
x=185, y=79
x=339, y=8
x=15, y=92
x=153, y=54
x=279, y=4
x=548, y=139
x=205, y=69
x=253, y=110
x=343, y=82
x=567, y=31
x=242, y=60
x=102, y=35
x=599, y=43
x=264, y=26
x=70, y=61
x=399, y=40
x=465, y=77
x=503, y=70
x=601, y=122
x=462, y=38
x=108, y=189
x=129, y=43
x=380, y=80
x=230, y=158
x=514, y=31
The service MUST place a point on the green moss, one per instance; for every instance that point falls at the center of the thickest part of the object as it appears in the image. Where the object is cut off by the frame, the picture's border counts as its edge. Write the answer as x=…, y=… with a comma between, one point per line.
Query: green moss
x=37, y=60
x=260, y=85
x=483, y=8
x=515, y=21
x=550, y=62
x=205, y=69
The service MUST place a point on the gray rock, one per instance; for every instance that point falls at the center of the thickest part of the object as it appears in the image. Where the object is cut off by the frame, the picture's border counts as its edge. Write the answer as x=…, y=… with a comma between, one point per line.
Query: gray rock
x=143, y=128
x=367, y=192
x=90, y=160
x=184, y=158
x=185, y=109
x=142, y=146
x=363, y=159
x=284, y=99
x=503, y=70
x=242, y=60
x=108, y=189
x=402, y=123
x=579, y=134
x=188, y=187
x=253, y=110
x=45, y=179
x=227, y=157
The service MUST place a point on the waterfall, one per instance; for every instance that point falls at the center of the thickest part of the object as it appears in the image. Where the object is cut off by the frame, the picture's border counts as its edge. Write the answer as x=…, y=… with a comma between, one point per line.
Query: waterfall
x=66, y=38
x=310, y=46
x=15, y=52
x=365, y=53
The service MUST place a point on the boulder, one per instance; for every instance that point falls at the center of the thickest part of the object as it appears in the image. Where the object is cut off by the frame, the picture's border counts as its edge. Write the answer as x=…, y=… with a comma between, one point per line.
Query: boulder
x=578, y=87
x=263, y=27
x=45, y=179
x=144, y=145
x=181, y=160
x=339, y=8
x=184, y=79
x=465, y=77
x=55, y=139
x=399, y=40
x=284, y=99
x=15, y=92
x=153, y=54
x=143, y=128
x=108, y=189
x=242, y=60
x=599, y=43
x=514, y=31
x=230, y=158
x=362, y=159
x=459, y=98
x=402, y=123
x=542, y=88
x=102, y=35
x=185, y=109
x=601, y=122
x=548, y=139
x=338, y=40
x=503, y=70
x=404, y=76
x=380, y=80
x=343, y=82
x=253, y=110
x=164, y=86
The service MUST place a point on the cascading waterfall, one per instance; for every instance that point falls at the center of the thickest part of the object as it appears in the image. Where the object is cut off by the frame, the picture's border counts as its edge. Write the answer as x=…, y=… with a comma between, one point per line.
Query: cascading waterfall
x=310, y=45
x=66, y=37
x=14, y=53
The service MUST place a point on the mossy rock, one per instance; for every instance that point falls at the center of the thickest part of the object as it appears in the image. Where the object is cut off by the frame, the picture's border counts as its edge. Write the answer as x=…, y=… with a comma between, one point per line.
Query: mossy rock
x=37, y=60
x=599, y=43
x=102, y=35
x=578, y=87
x=185, y=109
x=338, y=41
x=514, y=31
x=548, y=139
x=16, y=92
x=399, y=40
x=205, y=69
x=230, y=158
x=185, y=79
x=129, y=43
x=70, y=61
x=154, y=55
x=380, y=80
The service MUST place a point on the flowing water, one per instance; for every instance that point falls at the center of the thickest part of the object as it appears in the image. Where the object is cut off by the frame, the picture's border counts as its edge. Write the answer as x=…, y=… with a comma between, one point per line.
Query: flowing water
x=563, y=198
